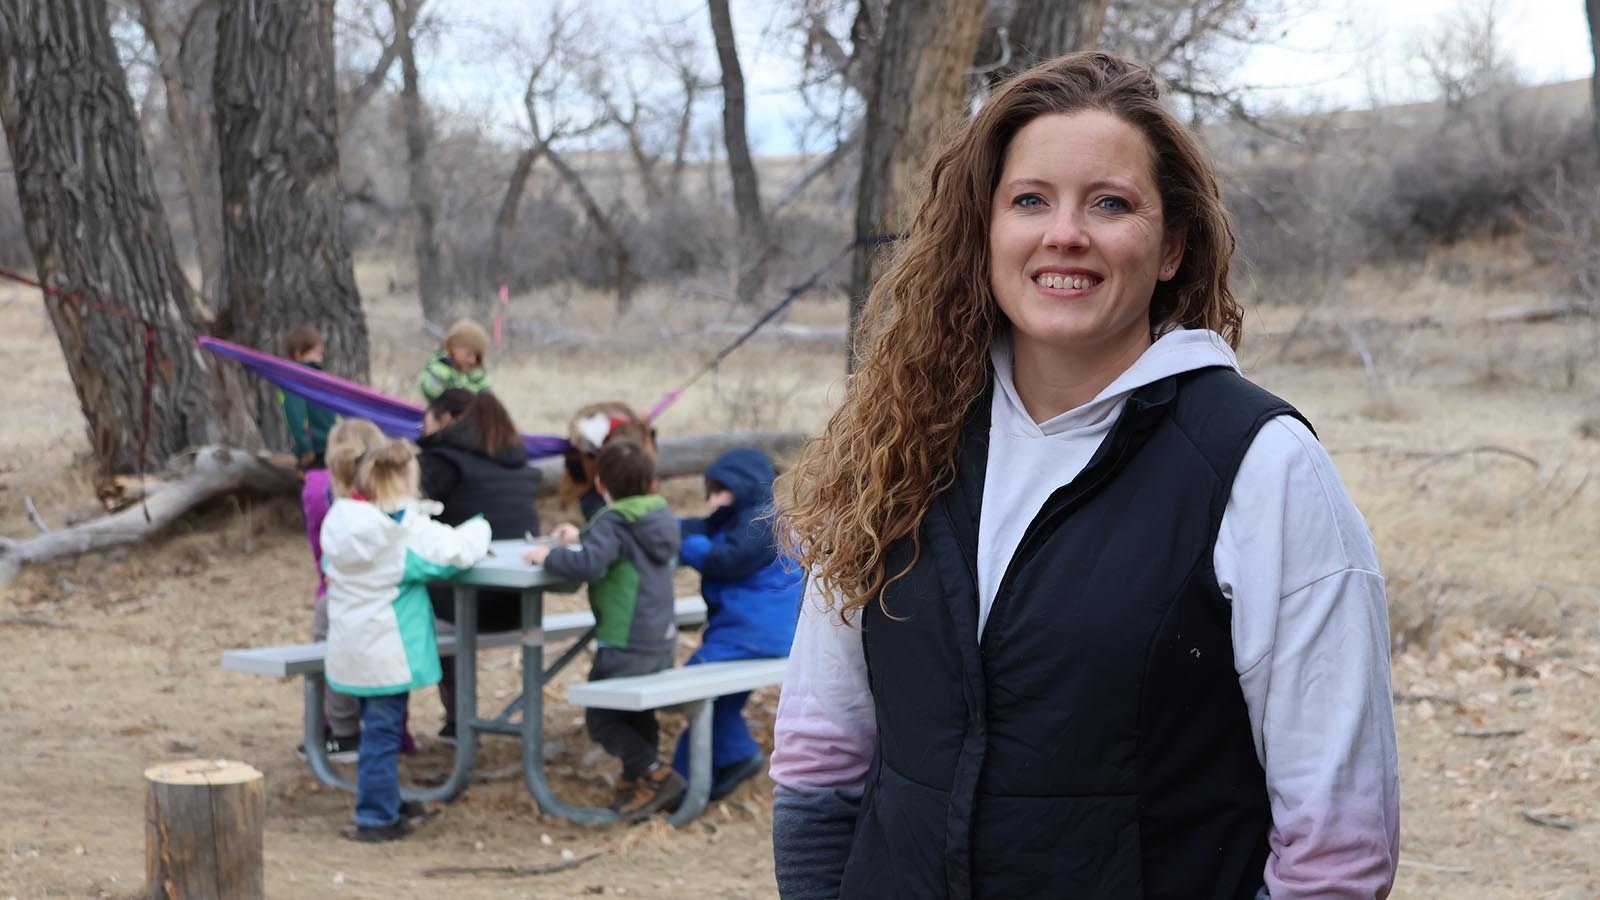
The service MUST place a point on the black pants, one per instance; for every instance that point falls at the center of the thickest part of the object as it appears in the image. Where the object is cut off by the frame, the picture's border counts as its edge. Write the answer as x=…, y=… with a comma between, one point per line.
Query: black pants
x=632, y=737
x=497, y=611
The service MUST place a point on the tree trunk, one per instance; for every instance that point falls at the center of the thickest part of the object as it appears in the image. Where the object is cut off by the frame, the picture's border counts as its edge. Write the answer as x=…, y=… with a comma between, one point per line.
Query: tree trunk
x=1039, y=30
x=424, y=203
x=202, y=825
x=625, y=279
x=286, y=259
x=917, y=92
x=1592, y=8
x=754, y=250
x=505, y=222
x=192, y=131
x=96, y=230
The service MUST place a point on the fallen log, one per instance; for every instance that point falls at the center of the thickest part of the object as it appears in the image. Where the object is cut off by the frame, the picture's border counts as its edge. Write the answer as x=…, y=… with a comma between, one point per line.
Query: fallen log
x=691, y=454
x=212, y=471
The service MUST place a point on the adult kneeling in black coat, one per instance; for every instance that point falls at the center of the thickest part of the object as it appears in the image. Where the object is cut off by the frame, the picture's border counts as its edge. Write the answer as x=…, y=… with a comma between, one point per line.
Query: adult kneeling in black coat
x=474, y=462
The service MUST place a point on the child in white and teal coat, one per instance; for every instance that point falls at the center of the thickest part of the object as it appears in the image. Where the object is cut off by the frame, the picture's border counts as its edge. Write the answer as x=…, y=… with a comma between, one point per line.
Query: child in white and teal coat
x=379, y=551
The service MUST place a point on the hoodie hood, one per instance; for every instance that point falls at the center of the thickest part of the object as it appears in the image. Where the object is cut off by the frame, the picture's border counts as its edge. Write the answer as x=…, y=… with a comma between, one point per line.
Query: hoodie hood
x=356, y=532
x=1175, y=352
x=461, y=438
x=651, y=523
x=747, y=473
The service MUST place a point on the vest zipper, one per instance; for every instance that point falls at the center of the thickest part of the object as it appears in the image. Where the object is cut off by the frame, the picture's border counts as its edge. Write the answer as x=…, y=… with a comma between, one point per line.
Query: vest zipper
x=1062, y=501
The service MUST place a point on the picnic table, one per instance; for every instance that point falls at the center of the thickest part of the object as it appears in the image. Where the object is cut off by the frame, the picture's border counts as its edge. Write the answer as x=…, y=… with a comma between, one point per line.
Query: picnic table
x=502, y=569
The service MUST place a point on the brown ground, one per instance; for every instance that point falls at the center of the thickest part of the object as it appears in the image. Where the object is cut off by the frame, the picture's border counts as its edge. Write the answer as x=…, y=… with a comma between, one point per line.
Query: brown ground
x=109, y=663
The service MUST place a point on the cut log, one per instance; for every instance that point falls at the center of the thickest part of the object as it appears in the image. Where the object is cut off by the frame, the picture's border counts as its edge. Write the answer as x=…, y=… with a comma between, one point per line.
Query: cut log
x=691, y=454
x=202, y=826
x=213, y=471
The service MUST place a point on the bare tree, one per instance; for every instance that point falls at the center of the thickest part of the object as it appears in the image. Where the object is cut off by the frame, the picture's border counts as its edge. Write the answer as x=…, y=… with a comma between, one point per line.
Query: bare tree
x=918, y=91
x=1464, y=57
x=754, y=248
x=424, y=202
x=286, y=258
x=179, y=35
x=122, y=309
x=549, y=120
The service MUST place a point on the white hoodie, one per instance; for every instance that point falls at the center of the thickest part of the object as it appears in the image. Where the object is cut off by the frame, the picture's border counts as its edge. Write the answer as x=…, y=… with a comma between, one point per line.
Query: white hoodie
x=1309, y=624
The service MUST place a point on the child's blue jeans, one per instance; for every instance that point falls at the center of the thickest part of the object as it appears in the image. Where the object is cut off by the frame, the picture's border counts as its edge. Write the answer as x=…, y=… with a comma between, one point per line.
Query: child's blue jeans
x=378, y=765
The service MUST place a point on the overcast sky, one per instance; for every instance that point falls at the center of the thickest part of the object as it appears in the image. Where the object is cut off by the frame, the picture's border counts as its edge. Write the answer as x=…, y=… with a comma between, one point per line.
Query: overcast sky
x=1371, y=40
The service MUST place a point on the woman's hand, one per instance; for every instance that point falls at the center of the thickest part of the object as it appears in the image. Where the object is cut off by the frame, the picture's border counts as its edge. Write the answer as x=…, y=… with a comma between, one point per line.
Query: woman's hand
x=565, y=533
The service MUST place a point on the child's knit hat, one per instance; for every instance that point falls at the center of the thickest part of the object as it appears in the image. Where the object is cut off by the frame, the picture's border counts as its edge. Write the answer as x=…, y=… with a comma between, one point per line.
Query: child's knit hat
x=469, y=334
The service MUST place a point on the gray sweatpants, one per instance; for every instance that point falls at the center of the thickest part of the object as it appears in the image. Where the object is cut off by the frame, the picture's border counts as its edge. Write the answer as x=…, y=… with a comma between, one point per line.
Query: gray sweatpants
x=632, y=737
x=343, y=711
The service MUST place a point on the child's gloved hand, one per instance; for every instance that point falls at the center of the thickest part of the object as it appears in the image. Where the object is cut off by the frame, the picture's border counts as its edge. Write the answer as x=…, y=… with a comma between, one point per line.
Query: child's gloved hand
x=694, y=550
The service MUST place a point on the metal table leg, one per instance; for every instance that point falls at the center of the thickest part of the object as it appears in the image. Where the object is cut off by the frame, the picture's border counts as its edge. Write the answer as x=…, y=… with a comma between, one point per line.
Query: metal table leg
x=694, y=799
x=533, y=719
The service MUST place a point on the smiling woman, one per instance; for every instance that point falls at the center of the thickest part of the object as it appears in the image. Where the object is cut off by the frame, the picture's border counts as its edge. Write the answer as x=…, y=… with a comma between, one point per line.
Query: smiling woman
x=1126, y=631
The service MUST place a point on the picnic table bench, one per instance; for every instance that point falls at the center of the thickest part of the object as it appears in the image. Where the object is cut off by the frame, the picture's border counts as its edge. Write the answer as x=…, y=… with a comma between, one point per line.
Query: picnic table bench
x=693, y=688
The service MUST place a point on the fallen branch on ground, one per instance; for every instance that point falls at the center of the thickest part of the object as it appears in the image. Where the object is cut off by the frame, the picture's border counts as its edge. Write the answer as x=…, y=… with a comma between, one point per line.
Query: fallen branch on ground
x=34, y=621
x=213, y=471
x=1504, y=732
x=1433, y=867
x=33, y=515
x=1549, y=821
x=511, y=871
x=1470, y=451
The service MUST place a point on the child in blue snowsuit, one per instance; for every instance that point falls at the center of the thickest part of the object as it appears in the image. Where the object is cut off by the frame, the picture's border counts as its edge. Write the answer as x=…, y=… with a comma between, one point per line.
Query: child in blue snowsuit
x=752, y=600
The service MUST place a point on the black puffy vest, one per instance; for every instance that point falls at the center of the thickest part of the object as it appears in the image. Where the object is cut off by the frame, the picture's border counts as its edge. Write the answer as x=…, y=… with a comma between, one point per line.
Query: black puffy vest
x=1096, y=744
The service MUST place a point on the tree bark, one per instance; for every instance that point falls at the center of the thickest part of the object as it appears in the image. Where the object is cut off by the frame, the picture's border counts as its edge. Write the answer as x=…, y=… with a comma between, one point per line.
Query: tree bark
x=754, y=249
x=917, y=92
x=192, y=131
x=286, y=258
x=1592, y=9
x=96, y=231
x=1039, y=30
x=202, y=821
x=424, y=202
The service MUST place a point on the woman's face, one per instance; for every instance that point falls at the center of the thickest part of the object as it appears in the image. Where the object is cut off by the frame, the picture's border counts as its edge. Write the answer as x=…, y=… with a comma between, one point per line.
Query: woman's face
x=1077, y=240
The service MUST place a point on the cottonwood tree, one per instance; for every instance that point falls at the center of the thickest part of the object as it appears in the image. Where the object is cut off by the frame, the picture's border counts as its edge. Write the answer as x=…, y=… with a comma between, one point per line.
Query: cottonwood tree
x=286, y=261
x=755, y=250
x=1018, y=34
x=424, y=201
x=917, y=91
x=96, y=230
x=181, y=34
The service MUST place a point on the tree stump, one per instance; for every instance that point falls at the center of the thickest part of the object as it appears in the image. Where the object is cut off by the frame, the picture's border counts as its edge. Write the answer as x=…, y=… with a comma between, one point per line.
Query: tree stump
x=202, y=824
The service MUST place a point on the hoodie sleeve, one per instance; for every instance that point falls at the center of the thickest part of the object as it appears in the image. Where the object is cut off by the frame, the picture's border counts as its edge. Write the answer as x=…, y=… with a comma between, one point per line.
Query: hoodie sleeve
x=746, y=546
x=1311, y=646
x=588, y=559
x=435, y=551
x=296, y=414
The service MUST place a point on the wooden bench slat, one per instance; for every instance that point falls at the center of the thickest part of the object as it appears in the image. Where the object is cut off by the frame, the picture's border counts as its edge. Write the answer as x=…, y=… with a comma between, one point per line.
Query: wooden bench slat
x=680, y=685
x=289, y=660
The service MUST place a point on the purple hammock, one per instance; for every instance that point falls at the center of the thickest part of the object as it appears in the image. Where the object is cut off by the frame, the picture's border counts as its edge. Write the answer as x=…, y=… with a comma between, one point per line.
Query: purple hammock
x=396, y=418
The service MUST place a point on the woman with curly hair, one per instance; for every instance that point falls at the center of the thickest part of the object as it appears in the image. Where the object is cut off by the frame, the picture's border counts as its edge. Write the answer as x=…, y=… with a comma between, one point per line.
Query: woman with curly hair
x=1089, y=614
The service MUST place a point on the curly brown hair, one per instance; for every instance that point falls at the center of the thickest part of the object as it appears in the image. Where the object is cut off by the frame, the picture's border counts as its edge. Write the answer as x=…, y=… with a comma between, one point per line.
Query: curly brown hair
x=867, y=480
